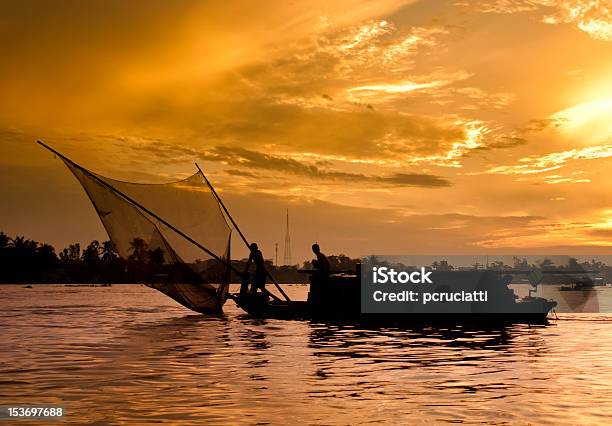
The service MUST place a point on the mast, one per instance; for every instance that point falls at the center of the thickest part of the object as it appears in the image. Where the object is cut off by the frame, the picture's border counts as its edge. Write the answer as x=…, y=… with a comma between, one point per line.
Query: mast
x=140, y=206
x=278, y=287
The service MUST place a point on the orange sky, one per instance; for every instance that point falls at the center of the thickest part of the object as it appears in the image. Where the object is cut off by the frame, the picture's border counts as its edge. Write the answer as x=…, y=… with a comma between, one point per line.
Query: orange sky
x=384, y=126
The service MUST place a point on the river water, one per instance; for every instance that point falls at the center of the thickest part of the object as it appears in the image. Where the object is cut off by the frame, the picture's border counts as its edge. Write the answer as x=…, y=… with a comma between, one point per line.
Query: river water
x=129, y=355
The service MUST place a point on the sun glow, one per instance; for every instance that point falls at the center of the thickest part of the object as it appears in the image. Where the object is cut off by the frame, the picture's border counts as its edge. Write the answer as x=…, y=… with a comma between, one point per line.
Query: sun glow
x=590, y=122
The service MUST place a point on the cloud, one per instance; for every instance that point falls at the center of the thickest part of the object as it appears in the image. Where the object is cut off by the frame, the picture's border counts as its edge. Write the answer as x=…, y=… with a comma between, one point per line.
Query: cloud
x=594, y=17
x=554, y=179
x=278, y=164
x=581, y=236
x=376, y=44
x=357, y=133
x=553, y=161
x=328, y=87
x=237, y=156
x=402, y=87
x=503, y=141
x=101, y=61
x=536, y=125
x=499, y=6
x=241, y=173
x=469, y=95
x=584, y=124
x=414, y=179
x=606, y=234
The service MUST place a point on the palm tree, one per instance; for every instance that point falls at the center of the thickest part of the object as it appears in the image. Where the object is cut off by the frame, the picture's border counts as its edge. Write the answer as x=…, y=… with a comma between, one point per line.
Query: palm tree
x=46, y=250
x=156, y=257
x=109, y=252
x=71, y=254
x=138, y=247
x=24, y=247
x=113, y=267
x=92, y=253
x=46, y=258
x=4, y=240
x=23, y=258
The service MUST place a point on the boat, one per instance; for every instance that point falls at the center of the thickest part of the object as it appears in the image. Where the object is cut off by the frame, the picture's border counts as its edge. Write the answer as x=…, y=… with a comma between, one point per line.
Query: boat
x=338, y=297
x=178, y=236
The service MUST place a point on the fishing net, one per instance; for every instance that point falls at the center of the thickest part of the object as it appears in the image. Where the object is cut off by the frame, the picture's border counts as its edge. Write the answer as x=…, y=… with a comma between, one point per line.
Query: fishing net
x=162, y=231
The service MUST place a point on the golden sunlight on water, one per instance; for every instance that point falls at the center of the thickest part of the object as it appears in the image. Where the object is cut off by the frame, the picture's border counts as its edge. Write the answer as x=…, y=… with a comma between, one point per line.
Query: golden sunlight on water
x=128, y=355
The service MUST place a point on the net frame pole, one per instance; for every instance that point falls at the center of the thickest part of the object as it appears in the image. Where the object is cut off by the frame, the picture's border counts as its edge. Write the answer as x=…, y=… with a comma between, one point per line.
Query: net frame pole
x=140, y=206
x=246, y=242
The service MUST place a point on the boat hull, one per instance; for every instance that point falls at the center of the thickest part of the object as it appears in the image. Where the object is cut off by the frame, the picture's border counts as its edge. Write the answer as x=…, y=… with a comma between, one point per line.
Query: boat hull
x=338, y=298
x=303, y=310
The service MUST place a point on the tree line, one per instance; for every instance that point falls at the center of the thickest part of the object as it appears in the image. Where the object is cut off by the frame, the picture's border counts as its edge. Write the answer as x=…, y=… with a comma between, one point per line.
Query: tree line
x=28, y=261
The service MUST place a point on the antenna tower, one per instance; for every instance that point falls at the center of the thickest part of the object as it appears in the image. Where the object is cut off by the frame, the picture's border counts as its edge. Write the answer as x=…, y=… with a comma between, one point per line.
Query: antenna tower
x=287, y=256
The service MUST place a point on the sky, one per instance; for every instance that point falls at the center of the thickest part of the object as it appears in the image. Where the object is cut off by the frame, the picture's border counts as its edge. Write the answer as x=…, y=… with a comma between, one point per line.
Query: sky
x=385, y=127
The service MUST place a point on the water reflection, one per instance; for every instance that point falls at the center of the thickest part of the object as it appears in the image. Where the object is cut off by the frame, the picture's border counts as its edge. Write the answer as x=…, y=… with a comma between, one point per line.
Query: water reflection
x=354, y=336
x=130, y=356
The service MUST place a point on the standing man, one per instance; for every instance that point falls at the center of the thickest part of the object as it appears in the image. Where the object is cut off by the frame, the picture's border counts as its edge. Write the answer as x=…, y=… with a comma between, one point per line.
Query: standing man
x=321, y=263
x=259, y=278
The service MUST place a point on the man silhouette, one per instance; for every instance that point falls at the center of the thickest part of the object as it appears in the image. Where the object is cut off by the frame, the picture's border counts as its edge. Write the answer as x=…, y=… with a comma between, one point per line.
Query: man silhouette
x=321, y=263
x=259, y=278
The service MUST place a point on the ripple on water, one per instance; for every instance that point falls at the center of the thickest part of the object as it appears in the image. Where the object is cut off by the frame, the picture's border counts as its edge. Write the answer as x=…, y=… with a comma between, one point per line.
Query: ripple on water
x=131, y=356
